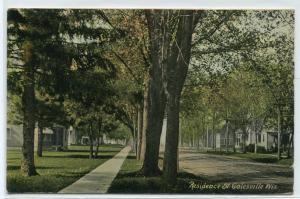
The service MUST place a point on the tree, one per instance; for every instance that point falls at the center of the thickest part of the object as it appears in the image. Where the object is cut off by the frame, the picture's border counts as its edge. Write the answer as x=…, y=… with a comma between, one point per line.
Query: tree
x=24, y=39
x=170, y=34
x=241, y=37
x=106, y=124
x=91, y=89
x=133, y=66
x=40, y=49
x=49, y=113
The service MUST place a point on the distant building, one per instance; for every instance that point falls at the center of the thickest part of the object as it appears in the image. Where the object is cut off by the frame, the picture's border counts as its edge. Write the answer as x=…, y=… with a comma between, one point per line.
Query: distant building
x=265, y=139
x=104, y=139
x=56, y=137
x=14, y=135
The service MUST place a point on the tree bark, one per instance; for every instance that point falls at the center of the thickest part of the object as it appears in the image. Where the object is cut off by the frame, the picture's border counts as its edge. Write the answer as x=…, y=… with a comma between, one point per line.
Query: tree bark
x=153, y=115
x=171, y=149
x=40, y=142
x=255, y=145
x=97, y=146
x=134, y=133
x=145, y=115
x=234, y=141
x=244, y=140
x=155, y=105
x=140, y=134
x=91, y=142
x=227, y=135
x=227, y=131
x=279, y=135
x=290, y=145
x=98, y=137
x=28, y=108
x=213, y=130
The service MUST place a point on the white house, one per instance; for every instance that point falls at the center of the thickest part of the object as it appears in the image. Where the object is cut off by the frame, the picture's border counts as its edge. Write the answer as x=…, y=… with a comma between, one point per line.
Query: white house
x=266, y=139
x=58, y=136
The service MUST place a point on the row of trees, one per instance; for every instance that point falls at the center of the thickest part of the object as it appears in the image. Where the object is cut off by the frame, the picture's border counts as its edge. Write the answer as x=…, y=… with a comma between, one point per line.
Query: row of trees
x=251, y=88
x=132, y=65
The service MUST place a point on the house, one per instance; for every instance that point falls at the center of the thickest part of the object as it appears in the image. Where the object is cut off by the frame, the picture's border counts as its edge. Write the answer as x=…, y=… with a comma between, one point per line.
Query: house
x=265, y=139
x=14, y=135
x=58, y=136
x=85, y=140
x=221, y=140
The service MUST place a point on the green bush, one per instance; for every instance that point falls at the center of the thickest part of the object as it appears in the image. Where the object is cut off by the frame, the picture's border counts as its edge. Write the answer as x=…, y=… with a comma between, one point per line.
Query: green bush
x=250, y=148
x=261, y=149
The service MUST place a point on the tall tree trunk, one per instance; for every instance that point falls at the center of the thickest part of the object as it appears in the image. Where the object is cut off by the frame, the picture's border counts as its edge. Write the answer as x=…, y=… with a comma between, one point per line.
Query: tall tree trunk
x=290, y=145
x=97, y=146
x=91, y=137
x=140, y=133
x=255, y=145
x=234, y=141
x=171, y=149
x=28, y=108
x=207, y=138
x=227, y=131
x=40, y=141
x=169, y=64
x=145, y=124
x=155, y=105
x=279, y=135
x=175, y=72
x=213, y=130
x=244, y=140
x=153, y=126
x=227, y=135
x=134, y=135
x=98, y=139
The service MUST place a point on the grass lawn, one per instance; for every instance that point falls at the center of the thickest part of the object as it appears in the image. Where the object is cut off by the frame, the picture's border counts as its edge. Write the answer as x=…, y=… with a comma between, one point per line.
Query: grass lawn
x=129, y=180
x=257, y=157
x=56, y=169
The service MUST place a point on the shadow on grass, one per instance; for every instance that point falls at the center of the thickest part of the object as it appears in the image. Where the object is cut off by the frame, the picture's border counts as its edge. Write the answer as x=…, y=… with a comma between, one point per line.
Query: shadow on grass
x=70, y=174
x=14, y=167
x=82, y=150
x=80, y=156
x=131, y=157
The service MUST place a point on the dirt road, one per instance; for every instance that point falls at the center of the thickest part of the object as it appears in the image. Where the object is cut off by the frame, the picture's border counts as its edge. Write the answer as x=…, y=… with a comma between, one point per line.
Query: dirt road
x=217, y=168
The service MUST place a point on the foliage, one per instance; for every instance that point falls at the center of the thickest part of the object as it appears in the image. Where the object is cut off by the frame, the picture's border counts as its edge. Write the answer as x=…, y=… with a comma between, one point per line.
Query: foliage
x=240, y=72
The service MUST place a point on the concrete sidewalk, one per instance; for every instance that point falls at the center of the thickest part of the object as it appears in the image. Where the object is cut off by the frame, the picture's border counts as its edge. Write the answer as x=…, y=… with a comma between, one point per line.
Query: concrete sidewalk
x=100, y=179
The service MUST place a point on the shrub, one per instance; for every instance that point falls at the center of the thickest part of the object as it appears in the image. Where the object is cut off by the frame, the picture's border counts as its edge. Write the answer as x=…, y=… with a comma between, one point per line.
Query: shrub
x=250, y=148
x=261, y=149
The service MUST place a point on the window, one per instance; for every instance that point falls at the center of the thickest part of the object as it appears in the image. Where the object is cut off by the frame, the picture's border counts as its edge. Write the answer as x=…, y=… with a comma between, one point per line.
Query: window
x=259, y=138
x=238, y=139
x=223, y=141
